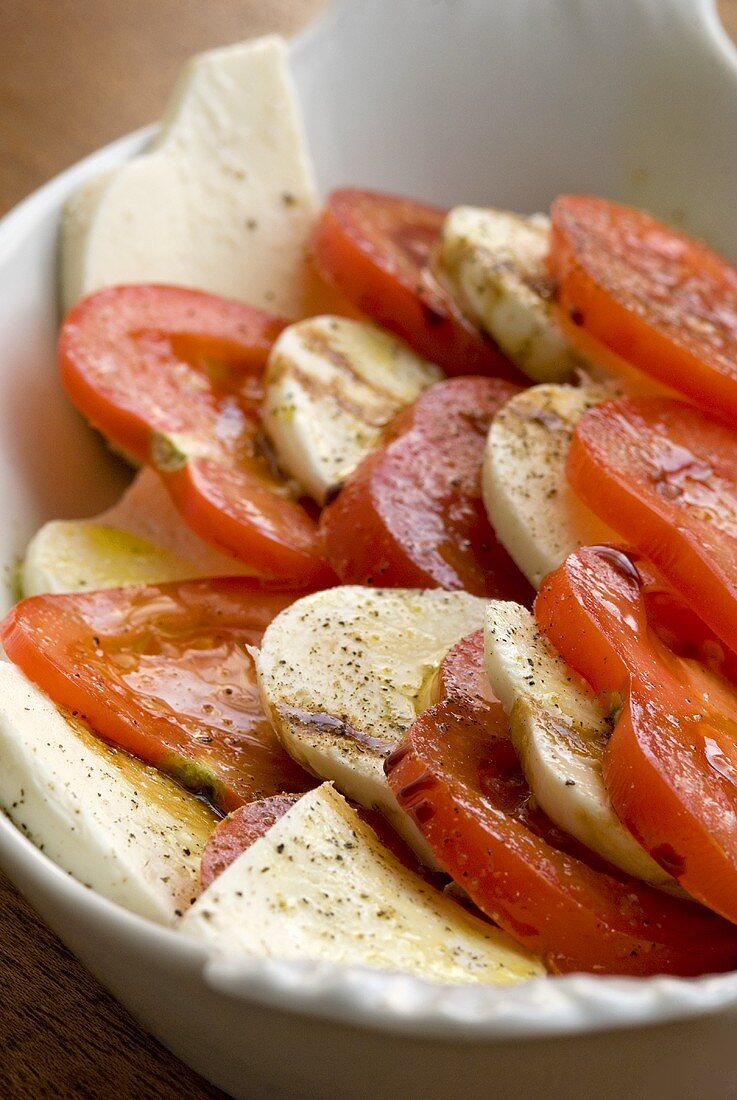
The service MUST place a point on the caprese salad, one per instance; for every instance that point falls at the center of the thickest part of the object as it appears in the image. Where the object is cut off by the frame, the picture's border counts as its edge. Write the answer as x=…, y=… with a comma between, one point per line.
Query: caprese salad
x=411, y=644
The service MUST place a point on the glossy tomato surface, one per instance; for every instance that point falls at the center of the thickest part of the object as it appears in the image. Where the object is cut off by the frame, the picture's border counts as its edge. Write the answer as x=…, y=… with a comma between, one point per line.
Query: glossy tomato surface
x=458, y=776
x=664, y=475
x=164, y=672
x=378, y=250
x=172, y=377
x=412, y=514
x=653, y=295
x=670, y=765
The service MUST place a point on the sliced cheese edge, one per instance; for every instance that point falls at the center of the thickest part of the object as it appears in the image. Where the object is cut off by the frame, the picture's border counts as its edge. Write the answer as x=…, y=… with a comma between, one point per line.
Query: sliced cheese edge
x=560, y=731
x=140, y=540
x=536, y=515
x=114, y=823
x=341, y=675
x=320, y=886
x=494, y=263
x=332, y=386
x=223, y=201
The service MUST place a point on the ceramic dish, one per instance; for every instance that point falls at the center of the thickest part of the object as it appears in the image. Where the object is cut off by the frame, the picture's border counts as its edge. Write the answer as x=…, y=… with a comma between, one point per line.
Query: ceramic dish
x=507, y=102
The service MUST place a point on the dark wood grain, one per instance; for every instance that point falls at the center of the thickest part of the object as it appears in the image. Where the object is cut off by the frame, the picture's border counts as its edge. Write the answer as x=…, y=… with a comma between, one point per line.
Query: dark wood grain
x=75, y=74
x=62, y=1034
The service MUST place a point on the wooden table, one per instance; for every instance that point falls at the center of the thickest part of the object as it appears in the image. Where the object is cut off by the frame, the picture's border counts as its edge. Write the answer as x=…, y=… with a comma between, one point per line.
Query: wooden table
x=66, y=87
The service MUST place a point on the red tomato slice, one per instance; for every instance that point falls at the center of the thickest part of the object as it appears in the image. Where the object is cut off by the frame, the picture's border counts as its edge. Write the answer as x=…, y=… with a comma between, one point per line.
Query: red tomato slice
x=655, y=296
x=678, y=626
x=457, y=775
x=377, y=249
x=412, y=514
x=671, y=763
x=238, y=831
x=664, y=475
x=173, y=378
x=163, y=671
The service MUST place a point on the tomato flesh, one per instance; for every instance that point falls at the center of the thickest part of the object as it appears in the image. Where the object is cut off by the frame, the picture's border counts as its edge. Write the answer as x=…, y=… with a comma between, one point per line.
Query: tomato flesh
x=173, y=378
x=664, y=475
x=671, y=763
x=457, y=775
x=412, y=514
x=654, y=296
x=238, y=831
x=378, y=249
x=163, y=671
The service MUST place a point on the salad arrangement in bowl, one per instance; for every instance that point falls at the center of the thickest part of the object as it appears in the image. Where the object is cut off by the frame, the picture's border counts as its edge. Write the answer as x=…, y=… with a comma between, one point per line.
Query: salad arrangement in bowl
x=409, y=645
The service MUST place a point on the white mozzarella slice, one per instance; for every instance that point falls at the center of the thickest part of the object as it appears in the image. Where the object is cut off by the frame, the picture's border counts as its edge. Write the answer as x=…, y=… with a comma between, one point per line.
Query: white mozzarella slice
x=559, y=730
x=341, y=675
x=140, y=540
x=223, y=201
x=117, y=825
x=536, y=515
x=77, y=556
x=494, y=263
x=332, y=385
x=320, y=886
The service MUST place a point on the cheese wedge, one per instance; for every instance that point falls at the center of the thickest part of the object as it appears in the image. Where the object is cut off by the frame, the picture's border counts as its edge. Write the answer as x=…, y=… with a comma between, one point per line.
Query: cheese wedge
x=223, y=200
x=332, y=385
x=341, y=675
x=117, y=825
x=75, y=556
x=320, y=886
x=536, y=515
x=494, y=263
x=140, y=540
x=560, y=731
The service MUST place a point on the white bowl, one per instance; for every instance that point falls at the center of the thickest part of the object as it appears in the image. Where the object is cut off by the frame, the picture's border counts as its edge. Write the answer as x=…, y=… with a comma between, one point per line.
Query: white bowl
x=501, y=101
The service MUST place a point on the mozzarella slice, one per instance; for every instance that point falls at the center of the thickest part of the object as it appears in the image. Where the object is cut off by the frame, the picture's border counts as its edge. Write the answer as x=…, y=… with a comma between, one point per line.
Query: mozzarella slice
x=559, y=731
x=117, y=825
x=341, y=675
x=75, y=556
x=140, y=540
x=332, y=385
x=320, y=886
x=536, y=515
x=494, y=263
x=223, y=201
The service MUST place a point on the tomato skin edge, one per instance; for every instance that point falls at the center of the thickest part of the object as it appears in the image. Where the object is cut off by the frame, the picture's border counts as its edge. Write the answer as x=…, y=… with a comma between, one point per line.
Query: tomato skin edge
x=427, y=319
x=650, y=761
x=682, y=560
x=271, y=560
x=67, y=644
x=623, y=332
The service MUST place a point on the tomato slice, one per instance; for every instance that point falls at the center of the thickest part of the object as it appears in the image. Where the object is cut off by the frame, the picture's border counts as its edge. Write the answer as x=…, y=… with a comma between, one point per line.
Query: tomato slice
x=173, y=378
x=163, y=671
x=671, y=763
x=457, y=775
x=664, y=475
x=238, y=831
x=678, y=625
x=378, y=249
x=655, y=296
x=412, y=513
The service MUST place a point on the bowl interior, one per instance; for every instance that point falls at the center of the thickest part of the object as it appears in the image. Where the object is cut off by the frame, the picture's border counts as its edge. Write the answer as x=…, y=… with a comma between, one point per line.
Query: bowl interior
x=505, y=103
